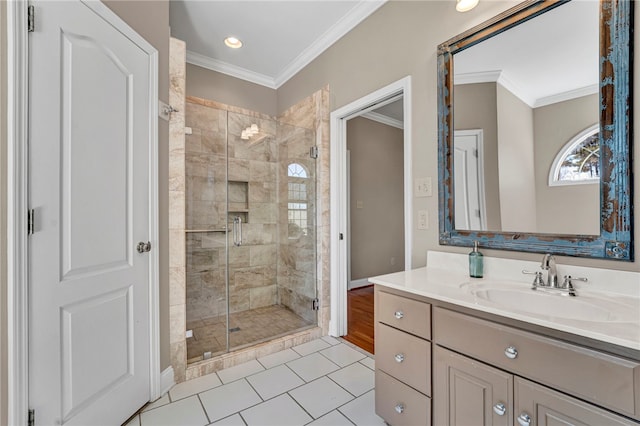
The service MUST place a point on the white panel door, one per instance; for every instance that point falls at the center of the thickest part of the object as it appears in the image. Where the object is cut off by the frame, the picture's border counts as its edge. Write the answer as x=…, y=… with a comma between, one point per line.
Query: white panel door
x=89, y=343
x=468, y=182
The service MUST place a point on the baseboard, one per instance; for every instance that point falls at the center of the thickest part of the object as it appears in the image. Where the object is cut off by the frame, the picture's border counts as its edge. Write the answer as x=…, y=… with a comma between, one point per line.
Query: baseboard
x=166, y=380
x=358, y=283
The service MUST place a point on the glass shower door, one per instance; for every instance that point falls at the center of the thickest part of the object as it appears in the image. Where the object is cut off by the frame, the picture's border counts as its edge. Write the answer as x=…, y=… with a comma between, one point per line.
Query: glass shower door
x=206, y=231
x=272, y=251
x=250, y=229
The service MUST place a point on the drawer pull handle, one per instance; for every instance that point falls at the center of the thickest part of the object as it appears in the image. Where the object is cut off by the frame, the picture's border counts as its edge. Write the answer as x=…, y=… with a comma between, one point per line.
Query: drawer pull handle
x=399, y=408
x=399, y=358
x=511, y=352
x=524, y=419
x=399, y=315
x=500, y=409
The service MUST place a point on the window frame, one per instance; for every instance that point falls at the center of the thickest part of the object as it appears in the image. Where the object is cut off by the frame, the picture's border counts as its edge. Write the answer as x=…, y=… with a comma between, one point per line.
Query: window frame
x=567, y=149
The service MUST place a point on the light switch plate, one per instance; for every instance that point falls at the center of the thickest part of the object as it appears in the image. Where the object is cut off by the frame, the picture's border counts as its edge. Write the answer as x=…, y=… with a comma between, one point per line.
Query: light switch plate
x=359, y=204
x=423, y=219
x=423, y=187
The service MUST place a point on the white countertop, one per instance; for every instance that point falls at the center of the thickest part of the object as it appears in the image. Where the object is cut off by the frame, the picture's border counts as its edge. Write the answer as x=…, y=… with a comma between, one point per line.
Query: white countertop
x=445, y=281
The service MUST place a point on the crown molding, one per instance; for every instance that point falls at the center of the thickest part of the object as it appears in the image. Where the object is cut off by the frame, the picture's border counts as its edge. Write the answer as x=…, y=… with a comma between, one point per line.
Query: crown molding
x=349, y=21
x=383, y=119
x=566, y=96
x=228, y=69
x=477, y=77
x=516, y=90
x=502, y=79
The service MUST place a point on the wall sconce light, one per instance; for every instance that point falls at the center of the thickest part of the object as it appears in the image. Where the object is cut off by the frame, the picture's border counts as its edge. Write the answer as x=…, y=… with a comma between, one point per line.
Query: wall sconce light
x=466, y=5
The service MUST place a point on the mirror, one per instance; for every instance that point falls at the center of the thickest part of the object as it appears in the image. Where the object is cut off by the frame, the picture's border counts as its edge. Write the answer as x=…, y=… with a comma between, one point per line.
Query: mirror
x=534, y=112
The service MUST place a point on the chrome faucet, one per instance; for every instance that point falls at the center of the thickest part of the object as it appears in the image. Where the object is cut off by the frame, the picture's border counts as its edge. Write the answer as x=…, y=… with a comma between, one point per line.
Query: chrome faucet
x=552, y=285
x=549, y=264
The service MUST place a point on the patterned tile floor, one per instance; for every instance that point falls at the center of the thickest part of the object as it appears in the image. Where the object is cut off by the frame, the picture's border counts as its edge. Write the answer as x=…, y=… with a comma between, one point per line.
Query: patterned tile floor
x=247, y=327
x=325, y=382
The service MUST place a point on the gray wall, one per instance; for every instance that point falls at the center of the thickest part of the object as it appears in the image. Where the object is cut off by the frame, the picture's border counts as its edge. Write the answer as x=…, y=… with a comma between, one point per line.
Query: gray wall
x=377, y=179
x=515, y=162
x=207, y=84
x=353, y=68
x=573, y=209
x=476, y=108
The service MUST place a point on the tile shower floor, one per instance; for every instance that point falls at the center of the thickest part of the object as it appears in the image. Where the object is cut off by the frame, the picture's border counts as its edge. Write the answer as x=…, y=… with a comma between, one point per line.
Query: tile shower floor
x=323, y=382
x=246, y=327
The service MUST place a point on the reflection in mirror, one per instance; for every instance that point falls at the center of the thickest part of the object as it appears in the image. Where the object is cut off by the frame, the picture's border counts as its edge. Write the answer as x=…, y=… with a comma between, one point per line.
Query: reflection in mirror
x=523, y=113
x=534, y=125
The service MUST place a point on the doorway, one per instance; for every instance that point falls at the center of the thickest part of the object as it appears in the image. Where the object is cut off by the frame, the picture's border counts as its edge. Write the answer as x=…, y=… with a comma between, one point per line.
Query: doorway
x=341, y=201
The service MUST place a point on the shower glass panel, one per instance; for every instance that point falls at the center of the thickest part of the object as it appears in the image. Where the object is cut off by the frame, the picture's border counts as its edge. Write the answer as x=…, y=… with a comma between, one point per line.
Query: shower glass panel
x=251, y=238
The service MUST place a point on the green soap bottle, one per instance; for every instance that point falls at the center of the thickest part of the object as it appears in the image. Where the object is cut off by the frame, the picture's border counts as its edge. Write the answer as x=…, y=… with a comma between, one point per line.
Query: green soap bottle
x=476, y=264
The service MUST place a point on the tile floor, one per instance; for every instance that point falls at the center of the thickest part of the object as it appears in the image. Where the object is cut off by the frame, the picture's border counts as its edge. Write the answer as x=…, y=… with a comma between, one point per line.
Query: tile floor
x=247, y=327
x=325, y=382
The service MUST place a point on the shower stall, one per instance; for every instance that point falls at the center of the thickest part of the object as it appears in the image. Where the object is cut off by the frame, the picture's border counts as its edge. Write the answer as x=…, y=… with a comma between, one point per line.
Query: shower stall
x=250, y=219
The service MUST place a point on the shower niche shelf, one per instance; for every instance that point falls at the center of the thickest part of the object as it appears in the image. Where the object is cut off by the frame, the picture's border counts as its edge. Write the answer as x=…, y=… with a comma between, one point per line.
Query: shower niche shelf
x=238, y=196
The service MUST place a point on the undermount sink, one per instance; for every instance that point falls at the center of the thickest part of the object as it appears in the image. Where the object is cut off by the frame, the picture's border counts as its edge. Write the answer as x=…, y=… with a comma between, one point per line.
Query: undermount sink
x=520, y=297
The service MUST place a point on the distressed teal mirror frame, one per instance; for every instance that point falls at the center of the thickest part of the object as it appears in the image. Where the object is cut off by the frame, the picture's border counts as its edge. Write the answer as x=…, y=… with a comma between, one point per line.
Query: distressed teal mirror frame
x=616, y=196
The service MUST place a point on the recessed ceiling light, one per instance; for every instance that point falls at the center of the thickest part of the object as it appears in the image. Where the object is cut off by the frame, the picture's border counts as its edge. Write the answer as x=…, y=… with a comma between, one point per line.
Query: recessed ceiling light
x=233, y=42
x=465, y=5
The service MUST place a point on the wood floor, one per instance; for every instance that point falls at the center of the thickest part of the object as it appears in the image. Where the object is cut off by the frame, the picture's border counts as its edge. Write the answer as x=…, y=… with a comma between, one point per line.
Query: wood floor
x=360, y=318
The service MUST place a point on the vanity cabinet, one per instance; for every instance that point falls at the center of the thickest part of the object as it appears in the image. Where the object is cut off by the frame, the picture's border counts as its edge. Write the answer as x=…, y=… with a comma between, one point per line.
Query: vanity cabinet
x=476, y=371
x=403, y=360
x=502, y=375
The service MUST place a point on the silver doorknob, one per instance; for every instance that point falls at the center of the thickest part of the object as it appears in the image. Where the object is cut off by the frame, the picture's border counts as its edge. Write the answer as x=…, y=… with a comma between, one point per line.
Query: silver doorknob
x=511, y=352
x=143, y=247
x=399, y=358
x=524, y=419
x=399, y=408
x=399, y=315
x=500, y=409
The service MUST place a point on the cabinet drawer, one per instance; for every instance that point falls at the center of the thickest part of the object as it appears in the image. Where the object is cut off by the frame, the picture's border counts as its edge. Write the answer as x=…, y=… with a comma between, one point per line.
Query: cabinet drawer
x=604, y=379
x=406, y=314
x=405, y=357
x=398, y=404
x=548, y=407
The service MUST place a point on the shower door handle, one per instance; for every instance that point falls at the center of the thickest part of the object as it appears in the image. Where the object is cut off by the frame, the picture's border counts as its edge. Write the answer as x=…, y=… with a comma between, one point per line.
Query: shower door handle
x=237, y=231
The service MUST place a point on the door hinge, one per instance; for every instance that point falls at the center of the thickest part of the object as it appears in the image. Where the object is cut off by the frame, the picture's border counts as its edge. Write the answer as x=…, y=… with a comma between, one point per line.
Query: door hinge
x=31, y=419
x=31, y=25
x=313, y=152
x=315, y=304
x=475, y=153
x=341, y=236
x=30, y=221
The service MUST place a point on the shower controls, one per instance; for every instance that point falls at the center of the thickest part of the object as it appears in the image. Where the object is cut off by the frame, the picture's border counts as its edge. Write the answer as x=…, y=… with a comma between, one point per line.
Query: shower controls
x=143, y=247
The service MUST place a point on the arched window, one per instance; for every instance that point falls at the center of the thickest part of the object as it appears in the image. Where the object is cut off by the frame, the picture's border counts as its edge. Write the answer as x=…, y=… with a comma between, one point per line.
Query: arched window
x=578, y=162
x=297, y=204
